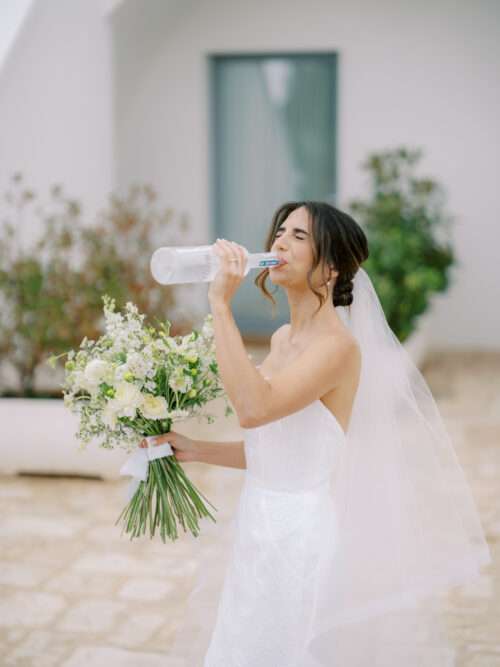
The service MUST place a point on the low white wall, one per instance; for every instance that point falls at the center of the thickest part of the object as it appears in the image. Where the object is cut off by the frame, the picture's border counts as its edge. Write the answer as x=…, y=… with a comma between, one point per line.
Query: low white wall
x=38, y=436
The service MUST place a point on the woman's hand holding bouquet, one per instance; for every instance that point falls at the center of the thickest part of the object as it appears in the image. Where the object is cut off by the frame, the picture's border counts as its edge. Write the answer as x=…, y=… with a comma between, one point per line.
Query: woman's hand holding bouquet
x=185, y=449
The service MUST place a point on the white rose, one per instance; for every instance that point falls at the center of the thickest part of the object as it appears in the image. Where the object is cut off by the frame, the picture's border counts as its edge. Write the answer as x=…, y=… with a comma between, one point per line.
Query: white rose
x=81, y=382
x=95, y=371
x=154, y=407
x=128, y=395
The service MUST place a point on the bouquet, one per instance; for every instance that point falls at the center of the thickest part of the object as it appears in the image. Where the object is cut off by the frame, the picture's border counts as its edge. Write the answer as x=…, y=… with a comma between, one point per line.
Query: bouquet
x=133, y=383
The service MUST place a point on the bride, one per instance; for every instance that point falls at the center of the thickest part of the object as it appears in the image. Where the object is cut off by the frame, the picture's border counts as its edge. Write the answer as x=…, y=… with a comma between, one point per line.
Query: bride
x=354, y=511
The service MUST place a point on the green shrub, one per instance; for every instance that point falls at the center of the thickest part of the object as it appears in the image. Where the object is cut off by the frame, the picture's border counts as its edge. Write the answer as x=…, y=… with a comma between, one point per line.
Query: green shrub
x=407, y=231
x=51, y=289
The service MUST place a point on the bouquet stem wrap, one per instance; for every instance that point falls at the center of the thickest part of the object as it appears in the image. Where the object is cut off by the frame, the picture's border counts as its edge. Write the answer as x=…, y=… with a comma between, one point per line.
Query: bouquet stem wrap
x=160, y=494
x=137, y=464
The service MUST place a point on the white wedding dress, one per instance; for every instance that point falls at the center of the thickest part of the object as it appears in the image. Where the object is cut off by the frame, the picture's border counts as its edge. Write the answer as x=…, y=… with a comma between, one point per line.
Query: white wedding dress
x=284, y=528
x=253, y=600
x=254, y=604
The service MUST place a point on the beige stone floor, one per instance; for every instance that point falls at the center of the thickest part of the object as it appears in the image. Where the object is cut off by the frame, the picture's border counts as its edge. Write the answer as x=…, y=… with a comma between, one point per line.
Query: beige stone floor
x=74, y=592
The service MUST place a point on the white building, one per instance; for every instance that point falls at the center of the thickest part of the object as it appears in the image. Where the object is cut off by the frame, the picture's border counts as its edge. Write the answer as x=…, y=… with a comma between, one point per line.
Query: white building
x=97, y=95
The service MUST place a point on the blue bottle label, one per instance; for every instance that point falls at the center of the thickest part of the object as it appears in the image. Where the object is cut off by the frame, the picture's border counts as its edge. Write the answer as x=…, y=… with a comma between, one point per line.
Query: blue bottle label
x=269, y=262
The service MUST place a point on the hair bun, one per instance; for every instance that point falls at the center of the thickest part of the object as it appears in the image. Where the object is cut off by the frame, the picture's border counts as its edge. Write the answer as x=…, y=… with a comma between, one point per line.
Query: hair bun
x=342, y=292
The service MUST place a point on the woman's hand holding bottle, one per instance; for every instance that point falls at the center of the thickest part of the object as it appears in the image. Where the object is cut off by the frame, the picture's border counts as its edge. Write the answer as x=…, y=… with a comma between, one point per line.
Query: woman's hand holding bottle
x=233, y=259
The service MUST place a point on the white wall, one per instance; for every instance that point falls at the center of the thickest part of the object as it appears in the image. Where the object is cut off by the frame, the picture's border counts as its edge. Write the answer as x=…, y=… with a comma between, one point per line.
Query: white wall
x=91, y=112
x=55, y=102
x=419, y=74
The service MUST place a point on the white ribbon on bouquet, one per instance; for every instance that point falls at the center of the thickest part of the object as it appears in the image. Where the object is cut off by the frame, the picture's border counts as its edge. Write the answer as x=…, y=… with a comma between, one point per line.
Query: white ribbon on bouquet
x=137, y=464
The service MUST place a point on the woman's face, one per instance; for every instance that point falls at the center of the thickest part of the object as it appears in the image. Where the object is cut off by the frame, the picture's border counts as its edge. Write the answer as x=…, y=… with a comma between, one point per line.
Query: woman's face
x=293, y=242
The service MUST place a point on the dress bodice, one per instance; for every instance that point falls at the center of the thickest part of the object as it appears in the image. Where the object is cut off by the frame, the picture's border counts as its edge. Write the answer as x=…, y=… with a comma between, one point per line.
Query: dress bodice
x=296, y=452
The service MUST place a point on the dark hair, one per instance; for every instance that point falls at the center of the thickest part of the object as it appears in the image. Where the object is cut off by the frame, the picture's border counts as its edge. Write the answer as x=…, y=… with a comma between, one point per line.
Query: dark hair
x=338, y=241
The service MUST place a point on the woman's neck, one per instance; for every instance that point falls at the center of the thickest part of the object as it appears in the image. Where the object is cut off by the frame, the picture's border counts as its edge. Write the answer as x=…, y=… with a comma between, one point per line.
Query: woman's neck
x=304, y=320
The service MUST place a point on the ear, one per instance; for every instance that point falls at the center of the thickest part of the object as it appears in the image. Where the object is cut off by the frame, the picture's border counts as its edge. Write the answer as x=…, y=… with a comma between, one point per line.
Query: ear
x=333, y=273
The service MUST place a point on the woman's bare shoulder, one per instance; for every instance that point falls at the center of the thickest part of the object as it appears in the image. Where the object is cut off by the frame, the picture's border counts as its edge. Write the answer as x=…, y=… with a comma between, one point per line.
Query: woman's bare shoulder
x=342, y=334
x=350, y=344
x=280, y=333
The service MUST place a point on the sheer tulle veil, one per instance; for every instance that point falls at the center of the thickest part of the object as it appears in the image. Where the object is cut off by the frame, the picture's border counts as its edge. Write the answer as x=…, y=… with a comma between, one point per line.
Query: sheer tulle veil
x=404, y=524
x=407, y=522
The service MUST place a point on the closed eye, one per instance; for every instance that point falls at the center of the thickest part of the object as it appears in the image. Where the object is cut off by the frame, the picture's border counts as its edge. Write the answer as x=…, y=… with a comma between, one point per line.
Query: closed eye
x=301, y=238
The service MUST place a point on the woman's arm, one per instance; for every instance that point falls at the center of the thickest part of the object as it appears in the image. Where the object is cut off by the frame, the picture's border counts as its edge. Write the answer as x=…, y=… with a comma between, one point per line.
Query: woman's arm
x=313, y=373
x=235, y=368
x=257, y=401
x=229, y=454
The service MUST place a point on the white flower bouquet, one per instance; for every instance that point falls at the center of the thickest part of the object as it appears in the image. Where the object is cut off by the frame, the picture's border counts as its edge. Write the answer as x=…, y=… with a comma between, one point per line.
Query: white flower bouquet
x=133, y=383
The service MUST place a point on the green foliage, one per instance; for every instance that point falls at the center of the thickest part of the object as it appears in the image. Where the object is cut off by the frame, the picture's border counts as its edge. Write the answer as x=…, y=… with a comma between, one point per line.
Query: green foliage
x=51, y=287
x=407, y=231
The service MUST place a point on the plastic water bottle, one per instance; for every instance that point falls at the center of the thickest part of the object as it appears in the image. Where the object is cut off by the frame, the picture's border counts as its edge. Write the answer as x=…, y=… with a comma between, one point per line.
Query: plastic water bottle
x=197, y=264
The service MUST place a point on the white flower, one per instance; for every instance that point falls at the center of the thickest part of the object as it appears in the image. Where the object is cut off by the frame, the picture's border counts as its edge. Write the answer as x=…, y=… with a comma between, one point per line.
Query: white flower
x=207, y=330
x=161, y=345
x=130, y=307
x=79, y=381
x=124, y=404
x=138, y=365
x=180, y=382
x=109, y=414
x=128, y=395
x=96, y=371
x=154, y=407
x=120, y=372
x=68, y=400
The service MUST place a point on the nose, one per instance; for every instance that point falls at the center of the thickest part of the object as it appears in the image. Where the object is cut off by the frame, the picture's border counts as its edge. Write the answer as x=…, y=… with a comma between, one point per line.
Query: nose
x=278, y=243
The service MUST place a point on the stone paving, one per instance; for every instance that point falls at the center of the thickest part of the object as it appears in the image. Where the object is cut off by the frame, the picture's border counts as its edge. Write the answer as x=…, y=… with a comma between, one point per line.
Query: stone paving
x=74, y=592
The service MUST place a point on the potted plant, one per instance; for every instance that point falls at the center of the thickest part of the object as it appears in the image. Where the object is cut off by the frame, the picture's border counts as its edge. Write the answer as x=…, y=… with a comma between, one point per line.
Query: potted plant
x=51, y=291
x=410, y=250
